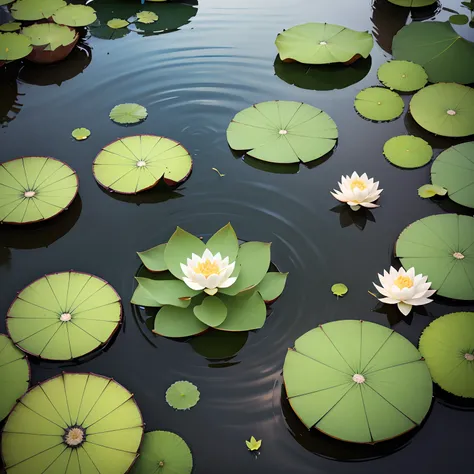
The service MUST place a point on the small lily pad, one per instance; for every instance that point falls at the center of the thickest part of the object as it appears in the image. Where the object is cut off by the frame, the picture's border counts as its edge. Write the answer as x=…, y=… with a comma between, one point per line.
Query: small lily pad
x=378, y=103
x=9, y=27
x=117, y=23
x=14, y=46
x=147, y=17
x=253, y=444
x=126, y=114
x=182, y=395
x=402, y=76
x=429, y=190
x=75, y=15
x=32, y=10
x=459, y=19
x=49, y=35
x=407, y=151
x=81, y=133
x=339, y=289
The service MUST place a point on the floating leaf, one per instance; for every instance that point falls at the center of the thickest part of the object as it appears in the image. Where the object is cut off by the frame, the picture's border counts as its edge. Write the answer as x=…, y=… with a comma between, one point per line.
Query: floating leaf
x=442, y=247
x=323, y=43
x=339, y=289
x=445, y=109
x=469, y=5
x=14, y=375
x=63, y=316
x=9, y=27
x=218, y=172
x=14, y=46
x=50, y=35
x=81, y=133
x=154, y=258
x=360, y=371
x=137, y=163
x=163, y=452
x=459, y=19
x=407, y=151
x=447, y=345
x=142, y=297
x=75, y=15
x=225, y=242
x=35, y=188
x=430, y=190
x=31, y=10
x=117, y=23
x=377, y=103
x=147, y=17
x=128, y=113
x=252, y=444
x=283, y=132
x=85, y=422
x=453, y=169
x=212, y=311
x=182, y=395
x=272, y=286
x=446, y=56
x=412, y=3
x=402, y=76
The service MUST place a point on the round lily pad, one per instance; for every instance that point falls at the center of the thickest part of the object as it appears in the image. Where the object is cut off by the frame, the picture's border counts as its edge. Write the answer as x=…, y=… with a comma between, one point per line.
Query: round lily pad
x=445, y=109
x=50, y=35
x=323, y=43
x=65, y=315
x=163, y=452
x=126, y=114
x=32, y=10
x=81, y=423
x=283, y=132
x=412, y=3
x=133, y=164
x=378, y=103
x=442, y=247
x=35, y=188
x=339, y=289
x=447, y=345
x=453, y=169
x=75, y=15
x=14, y=46
x=117, y=23
x=14, y=375
x=402, y=76
x=147, y=17
x=407, y=151
x=81, y=133
x=11, y=26
x=430, y=190
x=445, y=55
x=182, y=395
x=357, y=381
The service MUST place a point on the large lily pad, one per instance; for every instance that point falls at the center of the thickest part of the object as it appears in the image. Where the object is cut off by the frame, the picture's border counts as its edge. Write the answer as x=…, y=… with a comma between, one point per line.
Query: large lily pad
x=35, y=188
x=50, y=35
x=402, y=76
x=323, y=43
x=32, y=10
x=447, y=345
x=14, y=375
x=82, y=423
x=65, y=315
x=442, y=247
x=283, y=132
x=445, y=109
x=407, y=151
x=75, y=15
x=446, y=56
x=412, y=3
x=454, y=170
x=133, y=164
x=377, y=103
x=14, y=46
x=357, y=381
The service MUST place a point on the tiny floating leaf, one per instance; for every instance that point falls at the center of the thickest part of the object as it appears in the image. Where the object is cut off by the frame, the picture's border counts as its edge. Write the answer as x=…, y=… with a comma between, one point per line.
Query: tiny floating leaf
x=128, y=113
x=182, y=395
x=117, y=23
x=81, y=133
x=147, y=17
x=253, y=444
x=218, y=172
x=339, y=289
x=430, y=190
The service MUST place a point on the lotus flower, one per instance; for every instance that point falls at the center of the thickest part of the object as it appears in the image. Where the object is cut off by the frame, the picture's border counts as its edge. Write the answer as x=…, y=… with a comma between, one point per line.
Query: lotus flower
x=208, y=272
x=404, y=288
x=358, y=191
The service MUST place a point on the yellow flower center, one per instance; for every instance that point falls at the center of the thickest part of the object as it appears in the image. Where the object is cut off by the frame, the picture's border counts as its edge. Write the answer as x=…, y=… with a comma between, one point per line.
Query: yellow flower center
x=207, y=268
x=358, y=183
x=403, y=282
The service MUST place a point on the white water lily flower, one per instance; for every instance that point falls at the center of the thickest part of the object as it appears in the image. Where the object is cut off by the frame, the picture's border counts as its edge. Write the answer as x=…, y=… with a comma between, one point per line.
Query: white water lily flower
x=357, y=191
x=208, y=272
x=404, y=288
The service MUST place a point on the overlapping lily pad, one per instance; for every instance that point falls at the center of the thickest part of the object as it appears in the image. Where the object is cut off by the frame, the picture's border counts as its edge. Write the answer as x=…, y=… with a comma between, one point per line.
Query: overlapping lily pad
x=49, y=35
x=447, y=345
x=75, y=15
x=32, y=10
x=442, y=247
x=82, y=423
x=10, y=26
x=453, y=169
x=133, y=164
x=14, y=46
x=357, y=381
x=182, y=395
x=14, y=375
x=323, y=43
x=402, y=76
x=378, y=103
x=35, y=188
x=445, y=55
x=283, y=132
x=64, y=316
x=126, y=114
x=445, y=109
x=407, y=151
x=146, y=17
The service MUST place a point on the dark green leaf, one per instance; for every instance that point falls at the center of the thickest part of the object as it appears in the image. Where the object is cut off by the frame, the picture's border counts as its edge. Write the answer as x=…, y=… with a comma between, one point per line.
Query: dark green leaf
x=244, y=312
x=272, y=286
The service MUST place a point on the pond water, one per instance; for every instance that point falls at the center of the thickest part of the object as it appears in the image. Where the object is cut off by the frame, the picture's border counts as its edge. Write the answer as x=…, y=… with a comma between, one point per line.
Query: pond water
x=193, y=80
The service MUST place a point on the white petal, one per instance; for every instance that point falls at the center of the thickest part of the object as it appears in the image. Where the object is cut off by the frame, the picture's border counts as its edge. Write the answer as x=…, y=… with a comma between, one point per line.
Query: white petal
x=364, y=177
x=212, y=281
x=355, y=208
x=230, y=281
x=389, y=300
x=186, y=270
x=193, y=285
x=382, y=291
x=217, y=258
x=369, y=204
x=207, y=255
x=225, y=262
x=418, y=301
x=228, y=271
x=200, y=279
x=411, y=273
x=393, y=273
x=404, y=308
x=354, y=176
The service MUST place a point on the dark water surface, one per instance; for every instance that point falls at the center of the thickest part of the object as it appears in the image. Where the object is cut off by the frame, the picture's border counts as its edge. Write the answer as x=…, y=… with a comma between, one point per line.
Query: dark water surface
x=192, y=82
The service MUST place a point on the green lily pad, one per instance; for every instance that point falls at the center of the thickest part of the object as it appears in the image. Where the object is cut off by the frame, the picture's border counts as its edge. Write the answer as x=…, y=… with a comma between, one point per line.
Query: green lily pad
x=35, y=188
x=245, y=312
x=339, y=289
x=32, y=10
x=147, y=17
x=154, y=258
x=445, y=109
x=117, y=23
x=272, y=286
x=459, y=19
x=49, y=35
x=141, y=297
x=11, y=26
x=75, y=15
x=357, y=371
x=377, y=103
x=76, y=423
x=166, y=450
x=224, y=241
x=412, y=3
x=446, y=56
x=430, y=190
x=453, y=169
x=137, y=163
x=182, y=395
x=402, y=76
x=128, y=113
x=81, y=133
x=447, y=345
x=323, y=43
x=407, y=151
x=441, y=247
x=65, y=315
x=6, y=2
x=14, y=46
x=14, y=375
x=212, y=311
x=283, y=132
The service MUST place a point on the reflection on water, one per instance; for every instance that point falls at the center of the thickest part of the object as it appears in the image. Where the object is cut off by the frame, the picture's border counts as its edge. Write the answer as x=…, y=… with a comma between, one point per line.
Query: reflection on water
x=348, y=217
x=10, y=98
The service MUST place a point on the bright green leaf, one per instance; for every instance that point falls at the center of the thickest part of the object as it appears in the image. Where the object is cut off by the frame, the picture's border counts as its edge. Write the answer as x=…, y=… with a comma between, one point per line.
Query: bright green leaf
x=225, y=242
x=154, y=258
x=168, y=292
x=11, y=26
x=32, y=10
x=182, y=395
x=147, y=17
x=272, y=286
x=430, y=190
x=245, y=312
x=14, y=46
x=402, y=76
x=81, y=133
x=50, y=35
x=75, y=15
x=339, y=289
x=253, y=444
x=142, y=297
x=128, y=113
x=459, y=19
x=212, y=311
x=407, y=151
x=117, y=23
x=378, y=103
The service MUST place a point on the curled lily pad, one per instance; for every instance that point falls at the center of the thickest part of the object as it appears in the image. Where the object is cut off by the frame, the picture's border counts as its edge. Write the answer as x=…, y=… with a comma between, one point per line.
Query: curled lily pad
x=128, y=113
x=147, y=17
x=14, y=46
x=339, y=289
x=117, y=23
x=75, y=15
x=430, y=190
x=402, y=76
x=81, y=133
x=49, y=35
x=11, y=26
x=407, y=151
x=182, y=395
x=32, y=10
x=377, y=103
